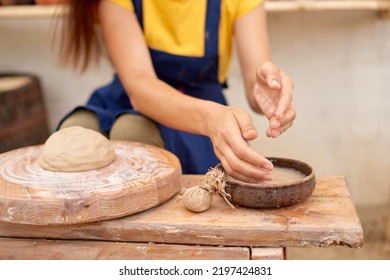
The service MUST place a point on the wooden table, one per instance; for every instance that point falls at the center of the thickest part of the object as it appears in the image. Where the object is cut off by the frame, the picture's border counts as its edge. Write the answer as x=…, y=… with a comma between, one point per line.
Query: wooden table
x=169, y=231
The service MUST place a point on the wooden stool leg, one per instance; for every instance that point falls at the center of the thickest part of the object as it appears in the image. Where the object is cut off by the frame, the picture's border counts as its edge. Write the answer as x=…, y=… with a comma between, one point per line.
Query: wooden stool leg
x=262, y=253
x=387, y=229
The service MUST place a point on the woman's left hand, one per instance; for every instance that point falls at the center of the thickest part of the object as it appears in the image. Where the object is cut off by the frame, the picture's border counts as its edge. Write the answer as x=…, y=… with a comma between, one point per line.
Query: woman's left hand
x=273, y=94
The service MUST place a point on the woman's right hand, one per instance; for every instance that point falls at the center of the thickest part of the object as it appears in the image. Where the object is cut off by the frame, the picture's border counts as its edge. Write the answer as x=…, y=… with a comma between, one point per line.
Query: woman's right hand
x=229, y=130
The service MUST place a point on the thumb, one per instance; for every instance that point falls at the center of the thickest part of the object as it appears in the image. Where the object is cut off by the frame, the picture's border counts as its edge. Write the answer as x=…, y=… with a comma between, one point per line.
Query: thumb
x=269, y=73
x=244, y=121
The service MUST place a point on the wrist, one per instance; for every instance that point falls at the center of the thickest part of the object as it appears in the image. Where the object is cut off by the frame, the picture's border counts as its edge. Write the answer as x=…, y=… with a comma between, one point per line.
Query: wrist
x=209, y=111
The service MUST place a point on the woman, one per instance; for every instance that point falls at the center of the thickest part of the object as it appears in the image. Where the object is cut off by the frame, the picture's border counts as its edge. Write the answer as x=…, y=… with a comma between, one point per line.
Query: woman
x=172, y=59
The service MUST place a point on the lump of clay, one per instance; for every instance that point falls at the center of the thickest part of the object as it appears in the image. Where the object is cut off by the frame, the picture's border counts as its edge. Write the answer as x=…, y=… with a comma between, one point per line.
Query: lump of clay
x=75, y=149
x=197, y=198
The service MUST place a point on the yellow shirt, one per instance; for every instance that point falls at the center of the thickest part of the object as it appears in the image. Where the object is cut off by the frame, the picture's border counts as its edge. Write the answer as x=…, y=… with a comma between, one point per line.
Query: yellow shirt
x=167, y=24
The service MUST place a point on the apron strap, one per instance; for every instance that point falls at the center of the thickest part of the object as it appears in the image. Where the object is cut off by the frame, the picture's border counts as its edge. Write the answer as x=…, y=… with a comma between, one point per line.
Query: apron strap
x=213, y=15
x=138, y=11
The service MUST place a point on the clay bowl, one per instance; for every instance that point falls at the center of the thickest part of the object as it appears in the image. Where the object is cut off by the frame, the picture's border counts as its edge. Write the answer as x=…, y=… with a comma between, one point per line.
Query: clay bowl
x=267, y=195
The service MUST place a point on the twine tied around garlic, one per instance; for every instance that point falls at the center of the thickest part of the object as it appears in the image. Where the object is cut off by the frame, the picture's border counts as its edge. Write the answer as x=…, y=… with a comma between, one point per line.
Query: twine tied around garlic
x=199, y=198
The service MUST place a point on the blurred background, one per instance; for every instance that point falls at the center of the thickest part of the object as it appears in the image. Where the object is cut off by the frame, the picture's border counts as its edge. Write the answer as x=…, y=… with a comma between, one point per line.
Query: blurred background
x=339, y=59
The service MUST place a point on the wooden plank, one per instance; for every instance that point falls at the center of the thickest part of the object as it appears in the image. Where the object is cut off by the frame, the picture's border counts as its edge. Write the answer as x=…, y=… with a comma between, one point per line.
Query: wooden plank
x=335, y=5
x=260, y=253
x=24, y=249
x=38, y=11
x=327, y=218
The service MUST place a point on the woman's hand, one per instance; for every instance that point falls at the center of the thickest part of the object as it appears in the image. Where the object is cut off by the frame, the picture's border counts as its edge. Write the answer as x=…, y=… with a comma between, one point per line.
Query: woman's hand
x=230, y=127
x=268, y=89
x=229, y=130
x=273, y=94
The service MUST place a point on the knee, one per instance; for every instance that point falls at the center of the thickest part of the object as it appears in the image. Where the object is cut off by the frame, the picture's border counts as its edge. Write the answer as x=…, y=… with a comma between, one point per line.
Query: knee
x=83, y=118
x=136, y=128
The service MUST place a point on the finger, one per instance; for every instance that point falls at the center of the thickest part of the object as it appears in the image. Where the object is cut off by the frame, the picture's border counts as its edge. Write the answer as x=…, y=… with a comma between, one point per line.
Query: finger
x=285, y=127
x=245, y=123
x=241, y=149
x=231, y=142
x=274, y=123
x=273, y=133
x=229, y=171
x=243, y=171
x=285, y=95
x=288, y=117
x=266, y=100
x=245, y=160
x=287, y=123
x=277, y=132
x=270, y=73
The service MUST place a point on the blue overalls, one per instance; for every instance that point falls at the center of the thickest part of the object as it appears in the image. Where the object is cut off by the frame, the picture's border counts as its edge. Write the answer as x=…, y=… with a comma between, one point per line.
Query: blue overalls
x=194, y=76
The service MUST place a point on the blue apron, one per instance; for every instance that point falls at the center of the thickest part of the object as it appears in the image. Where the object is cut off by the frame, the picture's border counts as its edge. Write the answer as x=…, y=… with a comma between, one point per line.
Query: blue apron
x=194, y=76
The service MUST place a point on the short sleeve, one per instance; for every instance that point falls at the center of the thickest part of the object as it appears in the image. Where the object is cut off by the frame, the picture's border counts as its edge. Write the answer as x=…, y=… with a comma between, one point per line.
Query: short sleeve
x=242, y=7
x=127, y=4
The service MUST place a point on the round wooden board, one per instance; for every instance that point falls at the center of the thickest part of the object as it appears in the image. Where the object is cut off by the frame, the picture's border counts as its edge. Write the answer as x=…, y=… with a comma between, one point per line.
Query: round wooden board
x=141, y=177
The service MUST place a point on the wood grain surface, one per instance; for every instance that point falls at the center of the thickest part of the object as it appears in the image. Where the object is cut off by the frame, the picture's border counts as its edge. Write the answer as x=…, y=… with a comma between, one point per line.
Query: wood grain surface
x=141, y=177
x=327, y=218
x=28, y=249
x=268, y=253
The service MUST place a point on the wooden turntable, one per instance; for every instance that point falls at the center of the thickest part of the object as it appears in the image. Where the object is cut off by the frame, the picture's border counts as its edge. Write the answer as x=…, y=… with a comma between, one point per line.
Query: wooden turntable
x=141, y=177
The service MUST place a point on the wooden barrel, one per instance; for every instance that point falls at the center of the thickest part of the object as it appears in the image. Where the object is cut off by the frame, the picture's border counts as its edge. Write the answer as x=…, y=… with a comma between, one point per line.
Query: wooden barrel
x=16, y=2
x=23, y=119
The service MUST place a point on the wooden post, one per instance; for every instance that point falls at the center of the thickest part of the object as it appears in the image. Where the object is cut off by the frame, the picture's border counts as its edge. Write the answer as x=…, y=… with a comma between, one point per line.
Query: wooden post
x=387, y=229
x=384, y=14
x=388, y=224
